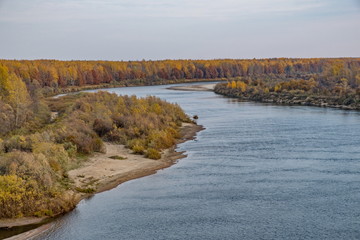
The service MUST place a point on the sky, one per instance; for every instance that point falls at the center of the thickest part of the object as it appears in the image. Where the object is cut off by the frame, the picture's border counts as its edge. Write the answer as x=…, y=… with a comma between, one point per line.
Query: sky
x=178, y=29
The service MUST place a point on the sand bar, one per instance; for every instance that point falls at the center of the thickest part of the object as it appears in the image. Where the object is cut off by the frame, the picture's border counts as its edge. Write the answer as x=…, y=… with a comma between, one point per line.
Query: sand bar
x=103, y=173
x=197, y=87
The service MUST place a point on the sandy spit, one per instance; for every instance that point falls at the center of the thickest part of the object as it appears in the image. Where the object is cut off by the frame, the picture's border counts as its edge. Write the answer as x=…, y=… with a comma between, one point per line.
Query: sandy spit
x=197, y=87
x=103, y=173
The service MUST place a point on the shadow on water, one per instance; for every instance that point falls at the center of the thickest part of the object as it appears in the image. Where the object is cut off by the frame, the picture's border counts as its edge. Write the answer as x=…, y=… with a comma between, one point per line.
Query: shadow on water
x=9, y=232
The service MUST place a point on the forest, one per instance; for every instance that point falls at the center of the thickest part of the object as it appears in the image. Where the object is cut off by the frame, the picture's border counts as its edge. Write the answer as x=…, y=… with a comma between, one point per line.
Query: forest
x=42, y=138
x=52, y=76
x=336, y=87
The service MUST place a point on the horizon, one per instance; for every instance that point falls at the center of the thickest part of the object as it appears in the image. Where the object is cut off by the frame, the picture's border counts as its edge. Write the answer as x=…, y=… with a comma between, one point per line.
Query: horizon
x=126, y=31
x=180, y=59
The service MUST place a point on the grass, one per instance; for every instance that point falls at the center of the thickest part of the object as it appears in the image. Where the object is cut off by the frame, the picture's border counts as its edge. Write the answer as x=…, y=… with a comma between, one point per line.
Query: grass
x=85, y=190
x=116, y=157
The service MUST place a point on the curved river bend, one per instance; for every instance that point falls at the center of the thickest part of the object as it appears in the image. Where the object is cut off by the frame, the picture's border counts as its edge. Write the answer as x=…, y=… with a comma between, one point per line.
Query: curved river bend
x=257, y=172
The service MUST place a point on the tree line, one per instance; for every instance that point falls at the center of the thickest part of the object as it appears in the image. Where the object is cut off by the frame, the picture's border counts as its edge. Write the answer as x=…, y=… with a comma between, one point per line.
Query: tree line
x=53, y=74
x=324, y=89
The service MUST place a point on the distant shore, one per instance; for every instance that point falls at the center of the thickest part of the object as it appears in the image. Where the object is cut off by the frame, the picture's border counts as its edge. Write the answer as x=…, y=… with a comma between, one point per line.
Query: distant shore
x=197, y=87
x=287, y=98
x=76, y=89
x=103, y=173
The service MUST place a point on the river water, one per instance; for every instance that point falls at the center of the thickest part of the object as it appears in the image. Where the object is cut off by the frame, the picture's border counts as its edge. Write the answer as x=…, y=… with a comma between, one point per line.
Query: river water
x=258, y=171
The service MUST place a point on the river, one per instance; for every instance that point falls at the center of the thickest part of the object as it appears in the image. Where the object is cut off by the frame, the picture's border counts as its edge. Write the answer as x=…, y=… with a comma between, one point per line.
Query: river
x=258, y=171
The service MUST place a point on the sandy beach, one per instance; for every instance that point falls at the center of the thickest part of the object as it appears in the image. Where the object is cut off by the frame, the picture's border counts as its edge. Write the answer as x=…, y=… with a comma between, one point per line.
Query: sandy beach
x=102, y=173
x=198, y=87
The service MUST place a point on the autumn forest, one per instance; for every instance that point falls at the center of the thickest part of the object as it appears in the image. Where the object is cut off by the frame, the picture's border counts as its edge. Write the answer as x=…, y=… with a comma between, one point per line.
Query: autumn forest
x=52, y=75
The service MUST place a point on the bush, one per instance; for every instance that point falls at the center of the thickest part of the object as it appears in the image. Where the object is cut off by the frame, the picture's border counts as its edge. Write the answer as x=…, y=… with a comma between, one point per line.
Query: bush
x=116, y=157
x=18, y=142
x=102, y=127
x=153, y=153
x=138, y=149
x=117, y=135
x=162, y=139
x=70, y=148
x=136, y=142
x=348, y=101
x=55, y=154
x=20, y=197
x=85, y=190
x=98, y=145
x=28, y=165
x=1, y=146
x=7, y=118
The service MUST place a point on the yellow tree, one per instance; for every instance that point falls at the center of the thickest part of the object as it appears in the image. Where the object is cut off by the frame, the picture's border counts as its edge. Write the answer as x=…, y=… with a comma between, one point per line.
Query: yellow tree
x=4, y=82
x=233, y=84
x=357, y=77
x=241, y=85
x=344, y=84
x=18, y=97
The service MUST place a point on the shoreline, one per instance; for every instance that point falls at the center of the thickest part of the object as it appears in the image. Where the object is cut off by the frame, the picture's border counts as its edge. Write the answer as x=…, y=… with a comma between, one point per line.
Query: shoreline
x=197, y=87
x=286, y=99
x=137, y=166
x=76, y=89
x=111, y=173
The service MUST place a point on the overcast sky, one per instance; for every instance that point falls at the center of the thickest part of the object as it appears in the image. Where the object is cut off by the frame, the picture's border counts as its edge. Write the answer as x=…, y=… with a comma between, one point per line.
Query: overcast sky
x=178, y=29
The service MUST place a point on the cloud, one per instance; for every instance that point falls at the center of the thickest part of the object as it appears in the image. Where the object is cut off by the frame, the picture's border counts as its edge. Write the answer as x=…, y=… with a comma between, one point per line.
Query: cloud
x=136, y=29
x=52, y=10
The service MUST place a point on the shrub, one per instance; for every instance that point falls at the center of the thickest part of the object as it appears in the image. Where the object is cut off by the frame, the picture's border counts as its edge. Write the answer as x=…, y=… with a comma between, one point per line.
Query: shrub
x=56, y=155
x=138, y=149
x=117, y=135
x=161, y=139
x=153, y=153
x=70, y=148
x=28, y=165
x=1, y=146
x=85, y=190
x=136, y=142
x=102, y=127
x=18, y=142
x=20, y=197
x=116, y=157
x=98, y=145
x=348, y=101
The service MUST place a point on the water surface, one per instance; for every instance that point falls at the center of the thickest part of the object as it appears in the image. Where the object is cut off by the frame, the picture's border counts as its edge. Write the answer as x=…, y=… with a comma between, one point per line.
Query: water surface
x=258, y=171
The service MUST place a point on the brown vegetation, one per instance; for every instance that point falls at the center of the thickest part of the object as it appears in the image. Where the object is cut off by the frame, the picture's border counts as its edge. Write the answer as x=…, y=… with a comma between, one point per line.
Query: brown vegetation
x=338, y=85
x=36, y=155
x=53, y=76
x=41, y=140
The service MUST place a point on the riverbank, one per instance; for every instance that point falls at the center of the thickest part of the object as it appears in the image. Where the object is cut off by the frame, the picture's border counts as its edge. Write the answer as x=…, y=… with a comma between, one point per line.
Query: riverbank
x=75, y=89
x=197, y=87
x=103, y=172
x=286, y=98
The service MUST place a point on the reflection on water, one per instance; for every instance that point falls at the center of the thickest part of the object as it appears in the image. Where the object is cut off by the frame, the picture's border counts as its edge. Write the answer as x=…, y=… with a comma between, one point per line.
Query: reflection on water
x=258, y=171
